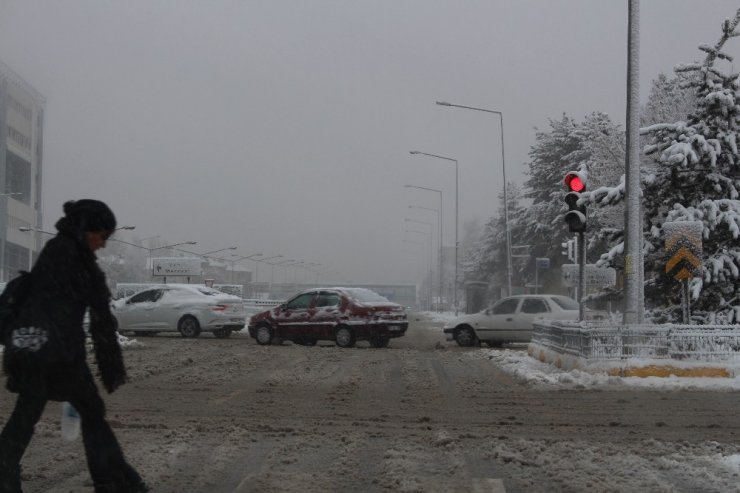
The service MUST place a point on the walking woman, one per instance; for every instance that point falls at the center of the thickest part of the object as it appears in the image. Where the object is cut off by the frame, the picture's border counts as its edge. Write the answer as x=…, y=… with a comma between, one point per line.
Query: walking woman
x=45, y=355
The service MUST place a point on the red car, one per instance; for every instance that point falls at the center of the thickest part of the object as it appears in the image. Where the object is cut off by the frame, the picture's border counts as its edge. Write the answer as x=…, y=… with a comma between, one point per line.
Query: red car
x=343, y=315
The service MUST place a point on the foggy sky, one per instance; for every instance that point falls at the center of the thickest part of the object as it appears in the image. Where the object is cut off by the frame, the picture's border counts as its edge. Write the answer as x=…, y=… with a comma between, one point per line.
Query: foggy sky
x=284, y=127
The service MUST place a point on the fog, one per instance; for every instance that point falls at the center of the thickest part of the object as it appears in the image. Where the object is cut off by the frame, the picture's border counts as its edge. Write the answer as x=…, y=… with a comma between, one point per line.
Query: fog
x=284, y=127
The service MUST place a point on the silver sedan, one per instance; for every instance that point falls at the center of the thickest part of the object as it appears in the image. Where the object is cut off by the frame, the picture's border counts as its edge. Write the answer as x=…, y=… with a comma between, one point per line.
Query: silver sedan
x=510, y=319
x=186, y=308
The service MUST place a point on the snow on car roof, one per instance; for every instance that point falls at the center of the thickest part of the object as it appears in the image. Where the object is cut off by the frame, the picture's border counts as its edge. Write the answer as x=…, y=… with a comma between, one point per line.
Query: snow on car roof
x=191, y=288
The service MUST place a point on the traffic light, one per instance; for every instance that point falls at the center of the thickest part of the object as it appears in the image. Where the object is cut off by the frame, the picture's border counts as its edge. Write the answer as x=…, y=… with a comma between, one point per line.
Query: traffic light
x=575, y=183
x=569, y=249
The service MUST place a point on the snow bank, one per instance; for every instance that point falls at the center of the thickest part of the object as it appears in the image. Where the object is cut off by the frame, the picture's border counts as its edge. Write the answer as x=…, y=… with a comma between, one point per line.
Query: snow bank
x=528, y=369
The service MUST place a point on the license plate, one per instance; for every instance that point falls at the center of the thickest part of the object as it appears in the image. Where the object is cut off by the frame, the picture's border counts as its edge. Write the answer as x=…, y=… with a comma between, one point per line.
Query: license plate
x=394, y=328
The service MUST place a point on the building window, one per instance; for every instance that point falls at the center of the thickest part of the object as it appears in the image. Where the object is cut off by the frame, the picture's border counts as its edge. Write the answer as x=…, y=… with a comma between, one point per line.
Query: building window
x=19, y=138
x=19, y=107
x=16, y=259
x=18, y=178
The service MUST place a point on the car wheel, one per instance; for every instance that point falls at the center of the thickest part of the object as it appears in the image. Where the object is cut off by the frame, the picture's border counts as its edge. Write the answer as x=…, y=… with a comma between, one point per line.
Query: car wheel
x=222, y=333
x=263, y=335
x=379, y=341
x=344, y=337
x=465, y=337
x=189, y=326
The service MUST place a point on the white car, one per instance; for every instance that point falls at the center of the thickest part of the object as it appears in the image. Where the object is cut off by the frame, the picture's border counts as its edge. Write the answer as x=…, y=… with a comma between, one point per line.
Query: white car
x=186, y=308
x=510, y=319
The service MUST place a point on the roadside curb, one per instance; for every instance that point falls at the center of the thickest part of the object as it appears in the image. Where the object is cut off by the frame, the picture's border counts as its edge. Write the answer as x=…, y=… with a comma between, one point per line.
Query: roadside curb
x=631, y=368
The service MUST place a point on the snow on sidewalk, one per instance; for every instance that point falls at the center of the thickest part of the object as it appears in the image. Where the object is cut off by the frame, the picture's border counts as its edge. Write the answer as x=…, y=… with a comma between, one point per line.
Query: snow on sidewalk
x=530, y=370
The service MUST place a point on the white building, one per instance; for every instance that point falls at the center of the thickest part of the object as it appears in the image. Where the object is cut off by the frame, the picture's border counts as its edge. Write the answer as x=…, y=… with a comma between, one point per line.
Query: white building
x=21, y=139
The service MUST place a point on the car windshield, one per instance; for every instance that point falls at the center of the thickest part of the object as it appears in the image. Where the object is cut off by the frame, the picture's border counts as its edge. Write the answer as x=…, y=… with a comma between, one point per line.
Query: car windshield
x=366, y=296
x=565, y=303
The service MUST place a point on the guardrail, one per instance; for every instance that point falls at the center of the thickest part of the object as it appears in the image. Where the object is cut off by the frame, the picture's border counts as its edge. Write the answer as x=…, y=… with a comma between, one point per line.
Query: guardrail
x=255, y=305
x=594, y=341
x=261, y=302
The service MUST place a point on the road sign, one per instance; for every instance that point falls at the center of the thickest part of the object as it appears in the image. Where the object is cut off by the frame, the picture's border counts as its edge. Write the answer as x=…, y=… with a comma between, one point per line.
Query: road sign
x=595, y=276
x=683, y=247
x=176, y=266
x=542, y=262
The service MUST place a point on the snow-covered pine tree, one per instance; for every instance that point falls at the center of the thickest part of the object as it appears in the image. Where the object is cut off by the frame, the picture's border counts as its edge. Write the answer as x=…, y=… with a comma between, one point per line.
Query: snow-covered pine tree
x=671, y=99
x=698, y=179
x=486, y=260
x=594, y=146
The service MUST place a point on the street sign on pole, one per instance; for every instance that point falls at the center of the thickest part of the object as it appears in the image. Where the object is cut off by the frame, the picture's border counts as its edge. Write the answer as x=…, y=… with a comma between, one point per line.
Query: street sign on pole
x=595, y=276
x=542, y=262
x=683, y=249
x=176, y=266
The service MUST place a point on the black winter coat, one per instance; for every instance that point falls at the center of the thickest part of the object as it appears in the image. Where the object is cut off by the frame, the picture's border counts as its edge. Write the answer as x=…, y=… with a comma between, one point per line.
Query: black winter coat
x=66, y=281
x=61, y=293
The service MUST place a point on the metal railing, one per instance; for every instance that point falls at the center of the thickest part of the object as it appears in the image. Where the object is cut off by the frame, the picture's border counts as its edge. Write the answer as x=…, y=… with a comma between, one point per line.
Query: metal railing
x=676, y=342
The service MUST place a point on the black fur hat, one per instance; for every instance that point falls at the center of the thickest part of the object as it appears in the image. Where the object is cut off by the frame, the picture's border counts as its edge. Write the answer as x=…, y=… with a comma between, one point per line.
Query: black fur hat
x=90, y=215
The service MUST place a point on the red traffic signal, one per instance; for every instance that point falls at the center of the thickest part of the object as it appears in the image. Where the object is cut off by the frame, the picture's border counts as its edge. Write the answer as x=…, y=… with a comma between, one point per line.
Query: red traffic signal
x=575, y=182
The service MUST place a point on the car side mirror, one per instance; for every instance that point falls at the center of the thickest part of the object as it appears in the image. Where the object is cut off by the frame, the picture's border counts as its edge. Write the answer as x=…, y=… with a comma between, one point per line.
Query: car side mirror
x=487, y=311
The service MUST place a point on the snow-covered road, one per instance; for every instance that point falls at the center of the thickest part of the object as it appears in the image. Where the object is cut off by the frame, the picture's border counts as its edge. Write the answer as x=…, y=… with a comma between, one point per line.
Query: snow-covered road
x=422, y=415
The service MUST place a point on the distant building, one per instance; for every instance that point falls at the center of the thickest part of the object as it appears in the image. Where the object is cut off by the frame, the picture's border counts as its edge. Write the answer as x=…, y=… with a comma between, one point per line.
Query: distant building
x=21, y=139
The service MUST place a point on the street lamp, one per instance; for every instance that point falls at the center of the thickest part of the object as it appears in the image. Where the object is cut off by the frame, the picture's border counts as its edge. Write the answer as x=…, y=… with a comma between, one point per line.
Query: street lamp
x=216, y=251
x=26, y=229
x=239, y=258
x=151, y=265
x=295, y=263
x=457, y=215
x=440, y=231
x=439, y=218
x=440, y=263
x=429, y=291
x=429, y=237
x=165, y=246
x=256, y=266
x=503, y=169
x=272, y=267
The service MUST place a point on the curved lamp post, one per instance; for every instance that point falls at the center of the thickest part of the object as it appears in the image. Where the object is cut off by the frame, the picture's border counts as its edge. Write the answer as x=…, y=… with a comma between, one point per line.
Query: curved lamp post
x=457, y=214
x=503, y=169
x=440, y=231
x=239, y=258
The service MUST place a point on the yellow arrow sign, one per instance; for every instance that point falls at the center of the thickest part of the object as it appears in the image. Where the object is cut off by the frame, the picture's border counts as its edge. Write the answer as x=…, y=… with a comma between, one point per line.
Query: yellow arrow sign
x=683, y=254
x=683, y=244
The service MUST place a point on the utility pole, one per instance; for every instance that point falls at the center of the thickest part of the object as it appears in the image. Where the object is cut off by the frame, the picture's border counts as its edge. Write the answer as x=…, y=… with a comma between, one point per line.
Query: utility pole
x=633, y=263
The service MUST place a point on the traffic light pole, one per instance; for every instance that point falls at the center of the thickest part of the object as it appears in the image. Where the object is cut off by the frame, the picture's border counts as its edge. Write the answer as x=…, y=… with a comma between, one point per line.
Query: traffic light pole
x=581, y=274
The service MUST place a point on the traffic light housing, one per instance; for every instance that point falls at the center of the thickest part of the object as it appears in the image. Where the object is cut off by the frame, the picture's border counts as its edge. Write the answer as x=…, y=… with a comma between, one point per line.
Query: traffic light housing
x=575, y=184
x=569, y=249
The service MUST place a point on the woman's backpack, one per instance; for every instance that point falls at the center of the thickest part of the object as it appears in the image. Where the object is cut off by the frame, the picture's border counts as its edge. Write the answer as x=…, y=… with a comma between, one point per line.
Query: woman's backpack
x=11, y=300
